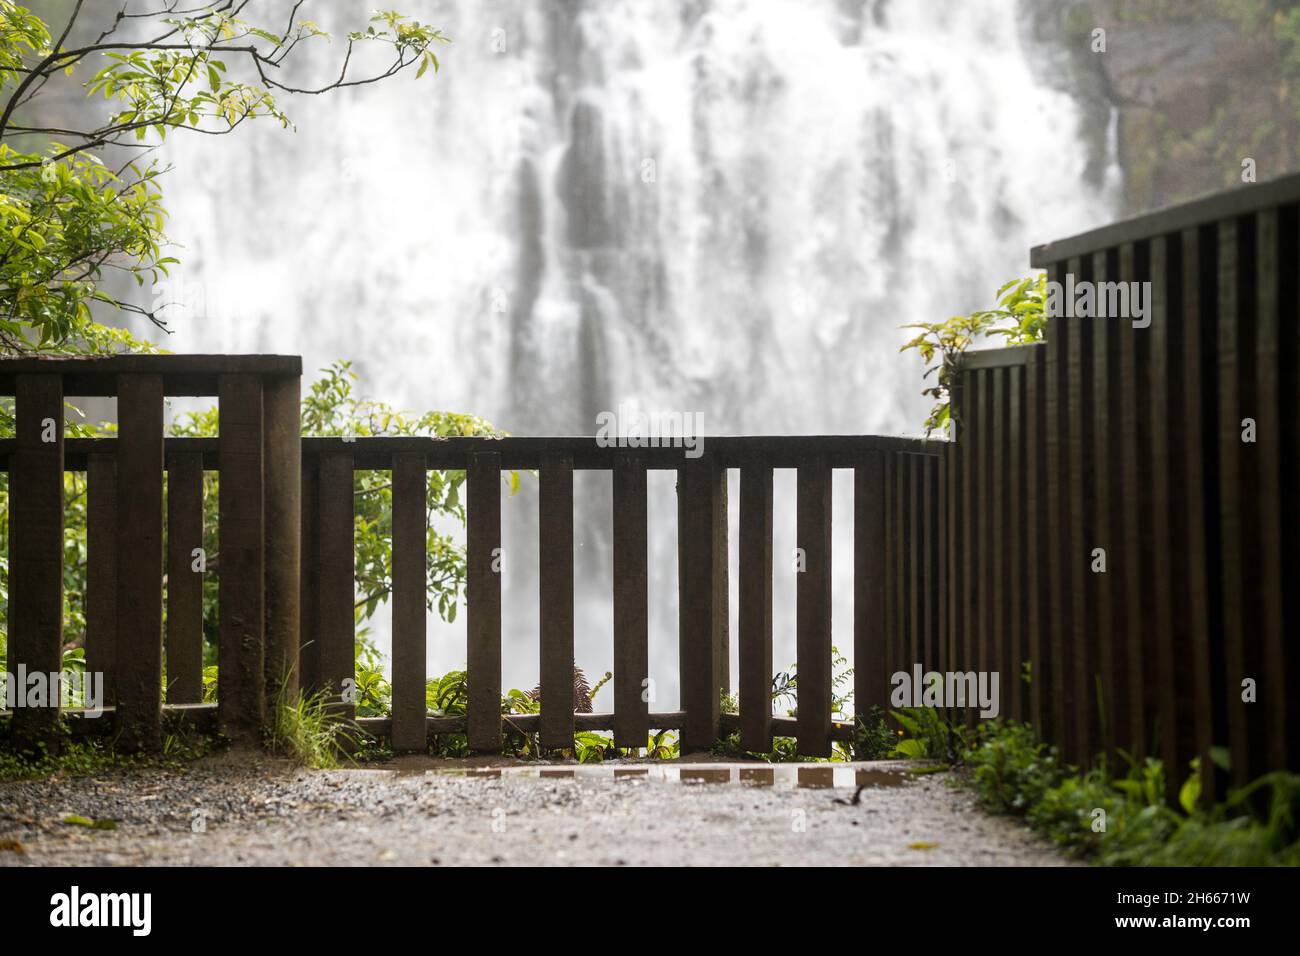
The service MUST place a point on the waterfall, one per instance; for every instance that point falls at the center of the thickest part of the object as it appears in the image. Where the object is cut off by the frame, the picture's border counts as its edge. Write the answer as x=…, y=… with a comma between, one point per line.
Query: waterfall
x=724, y=207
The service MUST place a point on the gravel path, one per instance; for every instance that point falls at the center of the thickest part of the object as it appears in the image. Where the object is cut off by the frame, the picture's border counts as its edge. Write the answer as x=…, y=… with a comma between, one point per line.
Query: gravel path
x=233, y=810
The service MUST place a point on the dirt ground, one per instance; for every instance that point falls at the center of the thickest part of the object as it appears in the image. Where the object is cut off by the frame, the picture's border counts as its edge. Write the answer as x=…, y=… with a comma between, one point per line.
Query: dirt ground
x=231, y=811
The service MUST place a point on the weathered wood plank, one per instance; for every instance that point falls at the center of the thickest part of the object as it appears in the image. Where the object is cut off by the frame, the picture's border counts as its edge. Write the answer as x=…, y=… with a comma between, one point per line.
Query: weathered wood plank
x=282, y=470
x=699, y=499
x=756, y=607
x=1267, y=530
x=101, y=572
x=813, y=608
x=631, y=603
x=309, y=672
x=1187, y=434
x=1013, y=683
x=185, y=573
x=1231, y=570
x=483, y=599
x=241, y=576
x=1105, y=526
x=999, y=570
x=139, y=562
x=1165, y=311
x=1061, y=692
x=1036, y=555
x=410, y=595
x=870, y=626
x=555, y=539
x=1080, y=582
x=336, y=621
x=36, y=551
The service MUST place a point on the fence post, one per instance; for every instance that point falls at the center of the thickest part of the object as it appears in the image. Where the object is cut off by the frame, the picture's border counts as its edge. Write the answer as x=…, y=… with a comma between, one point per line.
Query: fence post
x=555, y=595
x=702, y=624
x=240, y=647
x=813, y=607
x=36, y=554
x=184, y=583
x=756, y=606
x=282, y=457
x=410, y=535
x=483, y=600
x=139, y=561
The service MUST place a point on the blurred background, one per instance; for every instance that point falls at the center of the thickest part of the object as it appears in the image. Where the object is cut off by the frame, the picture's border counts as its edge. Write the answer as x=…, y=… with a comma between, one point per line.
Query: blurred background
x=719, y=207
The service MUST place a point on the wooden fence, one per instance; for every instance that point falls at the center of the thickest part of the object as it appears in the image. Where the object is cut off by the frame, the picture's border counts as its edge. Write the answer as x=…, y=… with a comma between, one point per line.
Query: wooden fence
x=1165, y=453
x=1137, y=442
x=287, y=572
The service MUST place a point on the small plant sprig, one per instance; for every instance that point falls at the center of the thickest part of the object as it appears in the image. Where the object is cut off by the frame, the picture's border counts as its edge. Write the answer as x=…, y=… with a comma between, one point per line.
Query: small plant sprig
x=1020, y=318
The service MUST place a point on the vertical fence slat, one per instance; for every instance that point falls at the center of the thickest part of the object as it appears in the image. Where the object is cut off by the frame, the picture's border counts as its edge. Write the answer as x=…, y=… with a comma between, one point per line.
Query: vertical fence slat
x=1267, y=530
x=1133, y=412
x=1080, y=583
x=755, y=620
x=483, y=599
x=309, y=672
x=282, y=470
x=1186, y=434
x=890, y=559
x=699, y=500
x=555, y=538
x=870, y=554
x=139, y=561
x=101, y=571
x=631, y=603
x=1036, y=550
x=1105, y=525
x=241, y=542
x=941, y=564
x=813, y=608
x=968, y=442
x=1165, y=308
x=915, y=555
x=998, y=486
x=184, y=583
x=36, y=549
x=336, y=637
x=1061, y=693
x=1012, y=683
x=410, y=531
x=1231, y=569
x=930, y=560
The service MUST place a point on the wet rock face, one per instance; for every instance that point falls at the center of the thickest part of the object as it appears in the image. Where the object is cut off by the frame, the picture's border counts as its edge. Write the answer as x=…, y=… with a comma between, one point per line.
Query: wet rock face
x=1196, y=88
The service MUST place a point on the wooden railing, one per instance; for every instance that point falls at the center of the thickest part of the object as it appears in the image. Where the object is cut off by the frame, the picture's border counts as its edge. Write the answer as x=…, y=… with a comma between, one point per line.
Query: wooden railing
x=260, y=461
x=890, y=573
x=1130, y=440
x=287, y=588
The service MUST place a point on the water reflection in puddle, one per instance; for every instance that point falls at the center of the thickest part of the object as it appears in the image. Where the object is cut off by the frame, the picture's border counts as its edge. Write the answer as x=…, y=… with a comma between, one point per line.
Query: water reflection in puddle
x=814, y=776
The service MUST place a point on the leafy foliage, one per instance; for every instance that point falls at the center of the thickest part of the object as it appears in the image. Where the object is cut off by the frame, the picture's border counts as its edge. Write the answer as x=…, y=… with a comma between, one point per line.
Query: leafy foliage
x=1020, y=318
x=77, y=205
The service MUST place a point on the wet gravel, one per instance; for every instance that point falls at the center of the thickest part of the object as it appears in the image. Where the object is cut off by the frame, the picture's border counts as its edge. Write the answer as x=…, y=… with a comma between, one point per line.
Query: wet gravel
x=231, y=811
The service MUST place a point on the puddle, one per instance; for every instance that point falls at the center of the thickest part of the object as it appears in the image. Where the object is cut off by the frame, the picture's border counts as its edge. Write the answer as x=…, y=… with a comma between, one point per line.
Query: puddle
x=807, y=776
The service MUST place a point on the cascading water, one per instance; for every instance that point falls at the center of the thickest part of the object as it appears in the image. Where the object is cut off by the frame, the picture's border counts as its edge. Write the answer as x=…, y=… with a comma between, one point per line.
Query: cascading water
x=725, y=207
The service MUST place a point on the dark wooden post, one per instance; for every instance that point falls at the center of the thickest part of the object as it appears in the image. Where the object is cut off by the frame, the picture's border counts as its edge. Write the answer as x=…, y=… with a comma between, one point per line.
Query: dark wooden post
x=139, y=561
x=701, y=624
x=870, y=671
x=101, y=571
x=184, y=579
x=240, y=687
x=410, y=534
x=36, y=554
x=309, y=672
x=756, y=606
x=282, y=458
x=338, y=588
x=813, y=608
x=631, y=603
x=483, y=599
x=555, y=591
